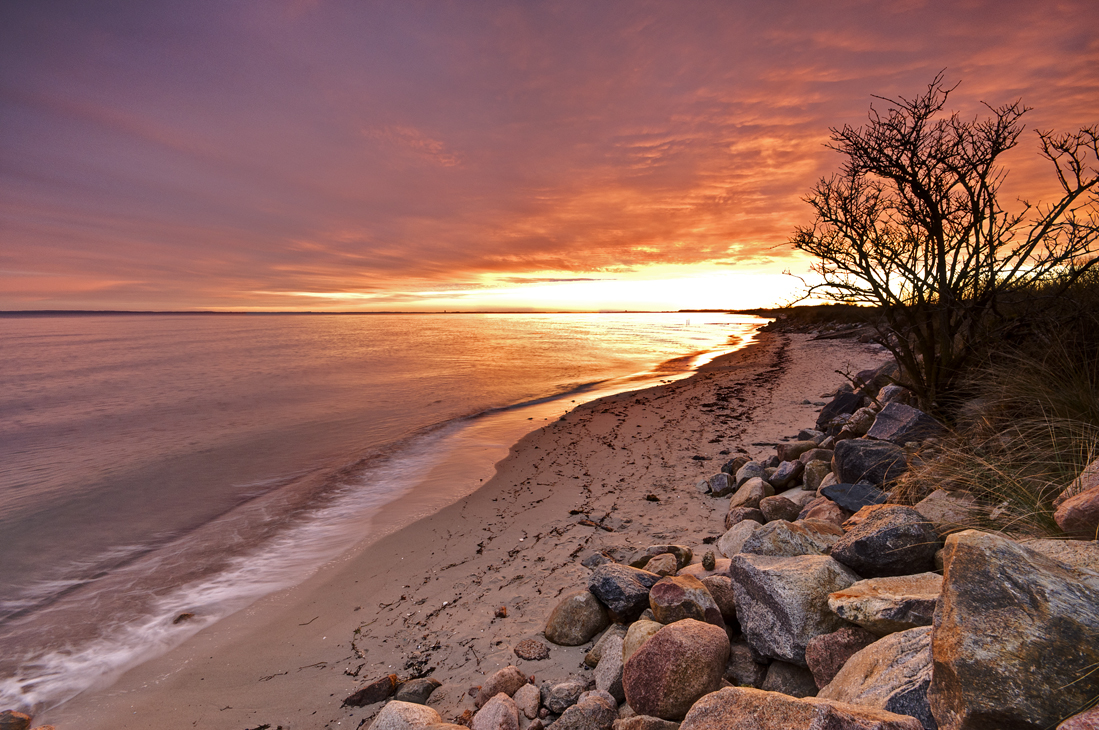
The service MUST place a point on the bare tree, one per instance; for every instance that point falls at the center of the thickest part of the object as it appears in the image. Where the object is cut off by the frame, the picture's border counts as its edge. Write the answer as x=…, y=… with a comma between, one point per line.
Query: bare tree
x=913, y=224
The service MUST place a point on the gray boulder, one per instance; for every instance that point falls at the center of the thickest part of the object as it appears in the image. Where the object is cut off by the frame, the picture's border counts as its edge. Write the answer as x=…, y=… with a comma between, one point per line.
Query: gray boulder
x=891, y=540
x=872, y=462
x=416, y=690
x=841, y=404
x=622, y=589
x=576, y=619
x=608, y=674
x=898, y=424
x=887, y=605
x=1014, y=637
x=786, y=539
x=596, y=653
x=751, y=470
x=892, y=674
x=560, y=696
x=595, y=710
x=853, y=497
x=504, y=681
x=734, y=538
x=499, y=713
x=743, y=708
x=949, y=511
x=721, y=485
x=787, y=474
x=782, y=602
x=815, y=473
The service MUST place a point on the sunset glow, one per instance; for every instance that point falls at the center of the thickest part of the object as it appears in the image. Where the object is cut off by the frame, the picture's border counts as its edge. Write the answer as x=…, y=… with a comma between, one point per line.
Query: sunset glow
x=317, y=155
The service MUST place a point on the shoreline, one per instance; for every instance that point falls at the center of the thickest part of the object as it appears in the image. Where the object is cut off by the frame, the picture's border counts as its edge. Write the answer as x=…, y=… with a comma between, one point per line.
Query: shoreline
x=425, y=592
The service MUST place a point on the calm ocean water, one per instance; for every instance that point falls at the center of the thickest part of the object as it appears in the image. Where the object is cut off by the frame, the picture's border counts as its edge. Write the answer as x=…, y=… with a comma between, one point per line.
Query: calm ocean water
x=155, y=465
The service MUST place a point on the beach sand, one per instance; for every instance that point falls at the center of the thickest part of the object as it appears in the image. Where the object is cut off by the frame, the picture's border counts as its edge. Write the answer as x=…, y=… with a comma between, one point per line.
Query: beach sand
x=427, y=595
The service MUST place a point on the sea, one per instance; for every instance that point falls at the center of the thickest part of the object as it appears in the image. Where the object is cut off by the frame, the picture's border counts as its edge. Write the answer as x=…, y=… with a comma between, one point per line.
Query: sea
x=159, y=472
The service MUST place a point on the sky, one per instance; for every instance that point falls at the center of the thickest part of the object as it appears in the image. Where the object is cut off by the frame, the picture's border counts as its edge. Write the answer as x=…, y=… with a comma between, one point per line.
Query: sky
x=471, y=155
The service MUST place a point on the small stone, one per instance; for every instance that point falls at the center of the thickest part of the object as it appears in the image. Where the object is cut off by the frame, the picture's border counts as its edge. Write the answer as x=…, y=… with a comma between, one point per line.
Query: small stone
x=709, y=560
x=416, y=691
x=826, y=654
x=578, y=616
x=502, y=612
x=778, y=508
x=528, y=699
x=787, y=474
x=596, y=653
x=751, y=470
x=559, y=697
x=531, y=650
x=662, y=565
x=402, y=715
x=721, y=485
x=683, y=555
x=815, y=473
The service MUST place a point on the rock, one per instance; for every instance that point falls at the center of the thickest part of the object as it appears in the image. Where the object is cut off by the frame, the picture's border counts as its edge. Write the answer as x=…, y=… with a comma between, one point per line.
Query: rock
x=506, y=681
x=531, y=650
x=721, y=588
x=782, y=602
x=798, y=496
x=787, y=474
x=886, y=605
x=789, y=679
x=778, y=508
x=843, y=403
x=594, y=711
x=814, y=474
x=1087, y=720
x=559, y=697
x=853, y=497
x=721, y=485
x=683, y=555
x=743, y=708
x=858, y=423
x=596, y=653
x=681, y=597
x=416, y=691
x=743, y=514
x=375, y=691
x=827, y=653
x=608, y=674
x=680, y=663
x=698, y=570
x=873, y=462
x=709, y=560
x=895, y=394
x=786, y=539
x=816, y=455
x=750, y=493
x=1079, y=515
x=824, y=510
x=898, y=424
x=596, y=559
x=499, y=713
x=949, y=511
x=1076, y=554
x=811, y=434
x=644, y=722
x=1008, y=639
x=404, y=715
x=751, y=470
x=791, y=451
x=892, y=674
x=638, y=633
x=662, y=565
x=578, y=617
x=745, y=668
x=528, y=699
x=892, y=540
x=623, y=590
x=733, y=540
x=12, y=720
x=1088, y=479
x=732, y=466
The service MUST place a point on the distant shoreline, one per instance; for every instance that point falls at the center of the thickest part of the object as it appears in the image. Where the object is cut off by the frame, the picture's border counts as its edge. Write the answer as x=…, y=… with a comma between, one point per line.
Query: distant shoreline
x=122, y=312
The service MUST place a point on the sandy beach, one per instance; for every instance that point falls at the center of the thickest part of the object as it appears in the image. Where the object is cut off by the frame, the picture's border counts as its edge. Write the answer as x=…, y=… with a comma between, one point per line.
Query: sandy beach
x=426, y=594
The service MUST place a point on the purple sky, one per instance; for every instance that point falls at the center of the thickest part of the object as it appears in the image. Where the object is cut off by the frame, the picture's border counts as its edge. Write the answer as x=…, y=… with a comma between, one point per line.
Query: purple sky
x=406, y=155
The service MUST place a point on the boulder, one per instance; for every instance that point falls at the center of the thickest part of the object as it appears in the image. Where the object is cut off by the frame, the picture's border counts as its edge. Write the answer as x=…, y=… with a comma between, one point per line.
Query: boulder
x=841, y=404
x=824, y=510
x=721, y=588
x=733, y=540
x=577, y=618
x=892, y=540
x=1088, y=479
x=1008, y=641
x=745, y=667
x=751, y=470
x=594, y=710
x=827, y=653
x=778, y=508
x=892, y=674
x=732, y=466
x=789, y=679
x=798, y=496
x=787, y=474
x=662, y=565
x=559, y=697
x=14, y=720
x=811, y=434
x=898, y=423
x=743, y=514
x=608, y=674
x=622, y=589
x=793, y=450
x=814, y=474
x=863, y=460
x=887, y=605
x=416, y=691
x=683, y=555
x=700, y=571
x=750, y=493
x=786, y=539
x=895, y=394
x=498, y=713
x=596, y=653
x=816, y=455
x=853, y=497
x=684, y=596
x=721, y=485
x=404, y=715
x=1079, y=515
x=858, y=423
x=1087, y=720
x=531, y=650
x=638, y=633
x=504, y=681
x=679, y=664
x=644, y=722
x=1079, y=555
x=372, y=692
x=782, y=602
x=949, y=511
x=528, y=699
x=743, y=708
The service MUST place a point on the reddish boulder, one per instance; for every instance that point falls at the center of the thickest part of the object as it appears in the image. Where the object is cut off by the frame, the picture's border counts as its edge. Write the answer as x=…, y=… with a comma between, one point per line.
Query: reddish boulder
x=826, y=654
x=679, y=664
x=684, y=596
